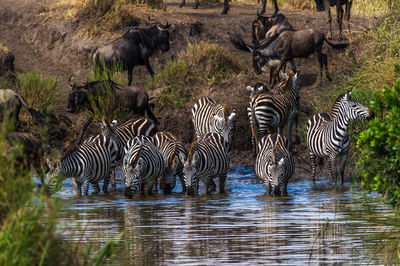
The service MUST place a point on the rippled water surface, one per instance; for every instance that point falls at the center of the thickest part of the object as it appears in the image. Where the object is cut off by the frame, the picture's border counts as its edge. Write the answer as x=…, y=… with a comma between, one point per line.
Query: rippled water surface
x=243, y=226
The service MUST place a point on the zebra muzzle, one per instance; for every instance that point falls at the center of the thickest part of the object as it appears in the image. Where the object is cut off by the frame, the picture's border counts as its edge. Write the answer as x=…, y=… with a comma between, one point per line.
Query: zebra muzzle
x=128, y=193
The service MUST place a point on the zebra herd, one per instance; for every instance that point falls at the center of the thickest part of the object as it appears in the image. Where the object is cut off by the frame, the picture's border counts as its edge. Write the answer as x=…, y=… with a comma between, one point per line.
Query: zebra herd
x=152, y=159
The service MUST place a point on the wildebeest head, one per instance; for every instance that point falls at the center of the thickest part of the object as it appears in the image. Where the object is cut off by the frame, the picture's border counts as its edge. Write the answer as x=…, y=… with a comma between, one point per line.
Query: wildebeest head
x=224, y=124
x=189, y=171
x=163, y=35
x=133, y=168
x=77, y=98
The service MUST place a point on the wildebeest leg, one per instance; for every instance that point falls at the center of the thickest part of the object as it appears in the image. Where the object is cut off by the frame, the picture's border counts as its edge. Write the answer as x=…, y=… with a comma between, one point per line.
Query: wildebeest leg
x=313, y=165
x=271, y=74
x=130, y=71
x=325, y=62
x=182, y=4
x=328, y=10
x=339, y=18
x=226, y=7
x=347, y=15
x=321, y=64
x=196, y=4
x=293, y=65
x=147, y=64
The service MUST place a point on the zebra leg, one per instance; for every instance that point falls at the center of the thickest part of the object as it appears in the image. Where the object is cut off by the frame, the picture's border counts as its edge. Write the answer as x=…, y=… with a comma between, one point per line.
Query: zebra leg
x=113, y=182
x=86, y=187
x=212, y=185
x=296, y=122
x=105, y=184
x=222, y=181
x=182, y=179
x=284, y=189
x=206, y=185
x=342, y=167
x=289, y=132
x=77, y=186
x=313, y=165
x=332, y=168
x=96, y=188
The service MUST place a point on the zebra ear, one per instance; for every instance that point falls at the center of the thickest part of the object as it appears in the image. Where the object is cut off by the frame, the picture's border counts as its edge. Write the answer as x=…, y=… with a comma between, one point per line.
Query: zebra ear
x=232, y=116
x=250, y=88
x=348, y=95
x=182, y=158
x=114, y=123
x=195, y=158
x=281, y=161
x=49, y=163
x=101, y=126
x=284, y=75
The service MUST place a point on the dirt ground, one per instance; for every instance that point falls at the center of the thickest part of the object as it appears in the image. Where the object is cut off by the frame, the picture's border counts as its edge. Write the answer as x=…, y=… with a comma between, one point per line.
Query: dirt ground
x=55, y=47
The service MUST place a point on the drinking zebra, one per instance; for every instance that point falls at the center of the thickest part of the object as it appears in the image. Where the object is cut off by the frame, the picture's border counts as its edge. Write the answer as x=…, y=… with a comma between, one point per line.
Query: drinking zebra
x=274, y=163
x=123, y=133
x=89, y=163
x=210, y=117
x=270, y=111
x=175, y=155
x=327, y=134
x=142, y=165
x=208, y=158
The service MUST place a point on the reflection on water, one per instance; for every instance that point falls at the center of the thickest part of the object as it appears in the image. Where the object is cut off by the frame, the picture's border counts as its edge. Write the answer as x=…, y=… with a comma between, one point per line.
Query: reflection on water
x=242, y=226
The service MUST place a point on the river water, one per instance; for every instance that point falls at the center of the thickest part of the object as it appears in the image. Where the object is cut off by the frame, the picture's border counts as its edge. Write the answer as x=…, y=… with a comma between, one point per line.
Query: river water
x=314, y=224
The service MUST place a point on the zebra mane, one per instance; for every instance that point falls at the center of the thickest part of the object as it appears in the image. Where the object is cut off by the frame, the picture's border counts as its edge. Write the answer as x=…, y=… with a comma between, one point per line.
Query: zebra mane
x=274, y=155
x=224, y=111
x=71, y=150
x=337, y=100
x=192, y=148
x=173, y=154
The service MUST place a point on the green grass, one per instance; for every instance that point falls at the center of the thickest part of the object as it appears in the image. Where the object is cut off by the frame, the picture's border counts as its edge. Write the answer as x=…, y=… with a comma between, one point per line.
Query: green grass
x=202, y=65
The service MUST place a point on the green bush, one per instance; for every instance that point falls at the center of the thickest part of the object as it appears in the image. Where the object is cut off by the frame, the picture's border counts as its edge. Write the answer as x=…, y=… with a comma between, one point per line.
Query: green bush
x=379, y=161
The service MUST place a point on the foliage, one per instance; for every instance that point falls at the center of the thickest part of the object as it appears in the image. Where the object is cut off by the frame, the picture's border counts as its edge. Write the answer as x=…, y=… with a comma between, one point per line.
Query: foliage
x=379, y=161
x=202, y=64
x=39, y=92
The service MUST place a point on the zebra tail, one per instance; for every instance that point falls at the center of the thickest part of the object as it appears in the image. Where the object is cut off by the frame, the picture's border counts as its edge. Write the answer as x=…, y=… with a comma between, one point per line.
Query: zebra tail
x=253, y=123
x=338, y=46
x=38, y=116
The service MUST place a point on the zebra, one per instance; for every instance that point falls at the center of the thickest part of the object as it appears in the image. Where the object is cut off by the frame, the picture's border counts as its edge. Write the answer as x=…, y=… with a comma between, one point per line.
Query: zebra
x=208, y=158
x=274, y=163
x=268, y=111
x=142, y=165
x=327, y=134
x=210, y=117
x=123, y=133
x=88, y=163
x=175, y=155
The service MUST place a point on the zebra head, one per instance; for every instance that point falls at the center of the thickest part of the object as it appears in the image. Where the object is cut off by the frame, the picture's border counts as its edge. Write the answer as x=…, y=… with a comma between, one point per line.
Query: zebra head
x=353, y=109
x=53, y=178
x=133, y=167
x=292, y=80
x=275, y=172
x=171, y=171
x=189, y=170
x=223, y=125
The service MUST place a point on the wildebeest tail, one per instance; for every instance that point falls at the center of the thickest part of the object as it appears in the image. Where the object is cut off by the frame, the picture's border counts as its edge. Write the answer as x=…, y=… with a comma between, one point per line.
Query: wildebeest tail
x=339, y=46
x=151, y=115
x=238, y=42
x=34, y=113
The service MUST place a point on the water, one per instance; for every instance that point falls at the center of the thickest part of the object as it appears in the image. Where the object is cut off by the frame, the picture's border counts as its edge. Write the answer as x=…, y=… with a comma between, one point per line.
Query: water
x=243, y=226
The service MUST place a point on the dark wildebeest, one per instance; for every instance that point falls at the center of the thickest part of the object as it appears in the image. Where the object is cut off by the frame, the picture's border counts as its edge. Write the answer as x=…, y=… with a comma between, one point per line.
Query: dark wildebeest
x=266, y=29
x=287, y=46
x=226, y=6
x=133, y=48
x=12, y=102
x=32, y=154
x=130, y=97
x=326, y=5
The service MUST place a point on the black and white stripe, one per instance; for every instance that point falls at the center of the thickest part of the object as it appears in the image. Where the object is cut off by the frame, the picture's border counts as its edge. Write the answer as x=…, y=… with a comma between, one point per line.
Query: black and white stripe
x=208, y=158
x=89, y=163
x=274, y=163
x=175, y=155
x=327, y=134
x=142, y=165
x=268, y=112
x=210, y=117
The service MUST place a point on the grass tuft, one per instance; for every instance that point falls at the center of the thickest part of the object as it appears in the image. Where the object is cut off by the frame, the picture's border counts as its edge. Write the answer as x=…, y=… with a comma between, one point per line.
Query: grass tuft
x=201, y=65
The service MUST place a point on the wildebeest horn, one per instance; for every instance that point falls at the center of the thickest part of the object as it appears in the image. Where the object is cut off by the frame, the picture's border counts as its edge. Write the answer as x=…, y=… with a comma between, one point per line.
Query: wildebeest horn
x=69, y=81
x=259, y=15
x=166, y=25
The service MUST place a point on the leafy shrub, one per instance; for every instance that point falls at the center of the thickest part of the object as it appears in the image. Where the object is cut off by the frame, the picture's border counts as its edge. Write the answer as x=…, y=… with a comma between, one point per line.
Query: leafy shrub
x=379, y=161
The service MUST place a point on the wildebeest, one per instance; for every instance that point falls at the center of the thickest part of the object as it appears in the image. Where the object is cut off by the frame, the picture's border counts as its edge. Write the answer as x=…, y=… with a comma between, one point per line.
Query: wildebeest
x=130, y=97
x=12, y=102
x=287, y=46
x=133, y=48
x=32, y=154
x=266, y=29
x=226, y=6
x=326, y=5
